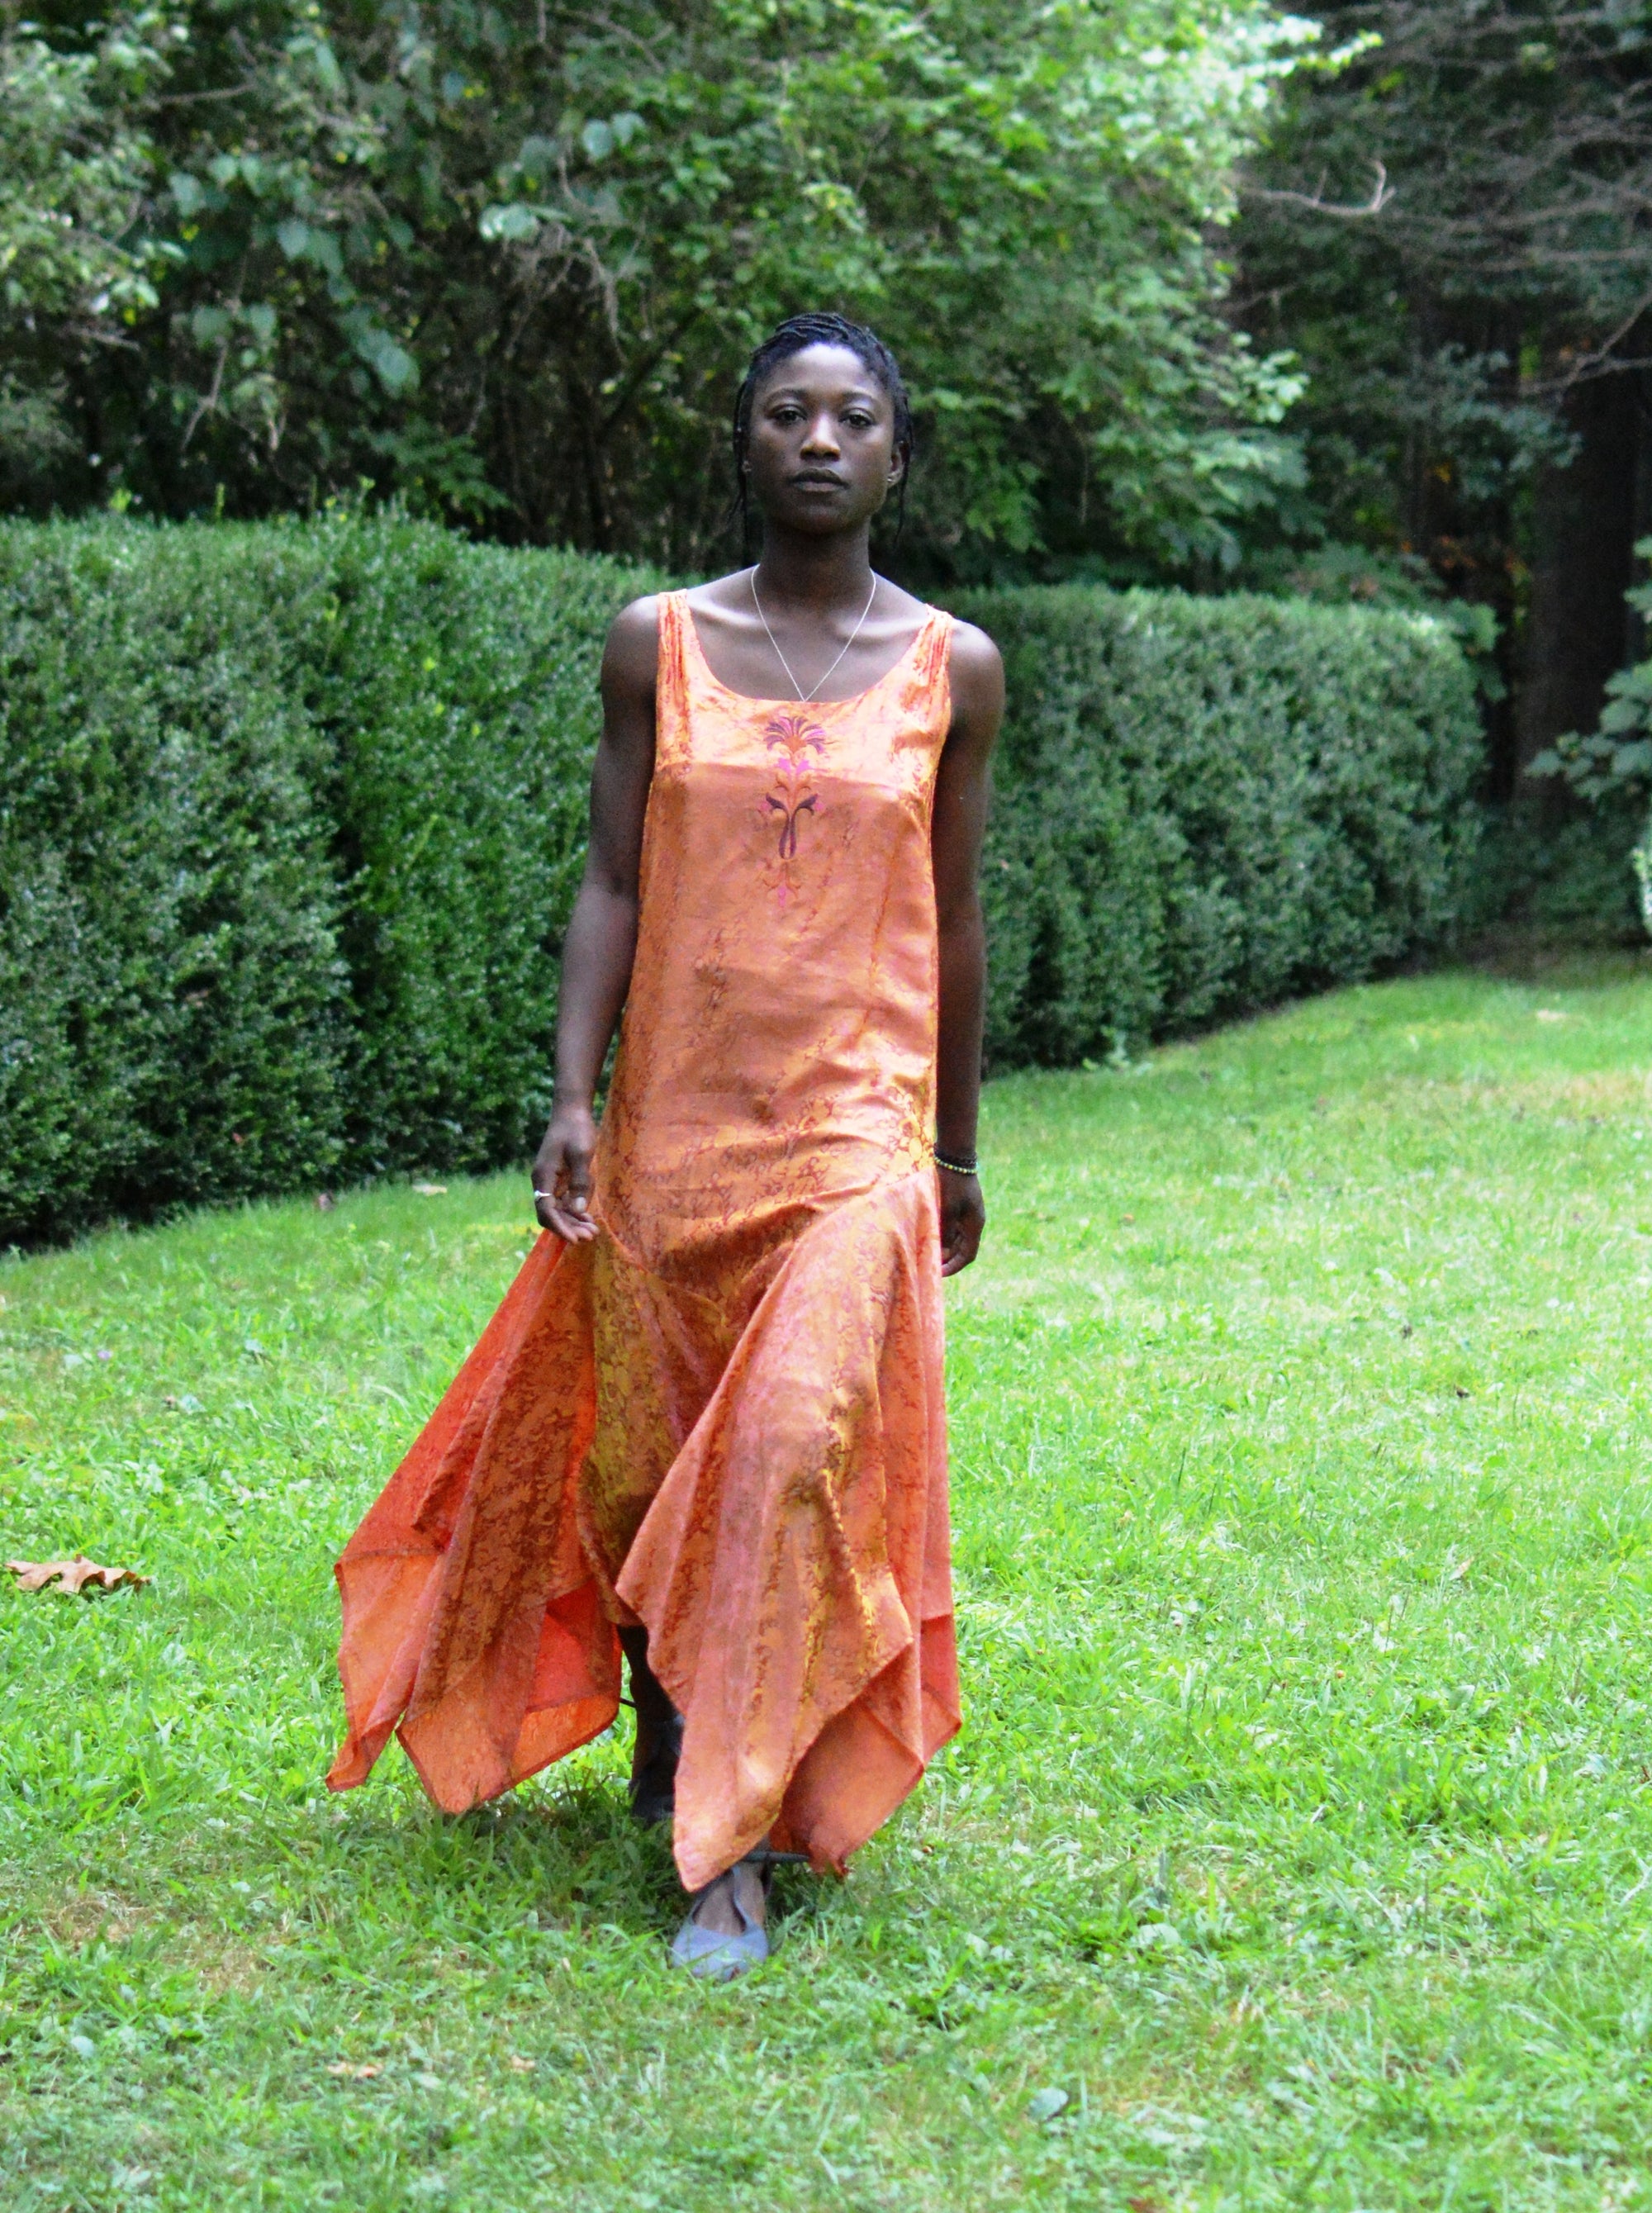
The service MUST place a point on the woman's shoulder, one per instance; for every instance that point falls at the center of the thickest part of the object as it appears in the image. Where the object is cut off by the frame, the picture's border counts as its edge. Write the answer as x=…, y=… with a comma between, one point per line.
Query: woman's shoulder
x=632, y=649
x=638, y=618
x=634, y=633
x=975, y=677
x=970, y=651
x=721, y=594
x=636, y=628
x=973, y=654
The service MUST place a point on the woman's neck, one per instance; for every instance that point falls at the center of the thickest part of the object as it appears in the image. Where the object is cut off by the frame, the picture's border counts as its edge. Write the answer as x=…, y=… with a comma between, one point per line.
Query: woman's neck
x=818, y=573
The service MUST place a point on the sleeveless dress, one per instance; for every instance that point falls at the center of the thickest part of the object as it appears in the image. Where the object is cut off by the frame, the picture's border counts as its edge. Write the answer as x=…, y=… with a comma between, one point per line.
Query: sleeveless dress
x=723, y=1417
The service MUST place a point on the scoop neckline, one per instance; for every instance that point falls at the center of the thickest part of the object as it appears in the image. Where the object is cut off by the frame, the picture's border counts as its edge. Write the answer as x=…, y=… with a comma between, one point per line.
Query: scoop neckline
x=801, y=706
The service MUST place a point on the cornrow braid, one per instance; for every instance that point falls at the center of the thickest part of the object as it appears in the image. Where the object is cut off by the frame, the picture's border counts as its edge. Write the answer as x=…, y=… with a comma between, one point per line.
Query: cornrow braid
x=791, y=337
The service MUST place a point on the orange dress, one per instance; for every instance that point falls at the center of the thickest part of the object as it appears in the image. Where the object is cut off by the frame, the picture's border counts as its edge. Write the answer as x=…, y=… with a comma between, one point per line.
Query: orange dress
x=723, y=1417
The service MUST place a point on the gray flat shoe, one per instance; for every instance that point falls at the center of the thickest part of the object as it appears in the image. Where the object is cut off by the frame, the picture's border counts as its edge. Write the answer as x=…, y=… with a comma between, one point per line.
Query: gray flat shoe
x=719, y=1958
x=714, y=1956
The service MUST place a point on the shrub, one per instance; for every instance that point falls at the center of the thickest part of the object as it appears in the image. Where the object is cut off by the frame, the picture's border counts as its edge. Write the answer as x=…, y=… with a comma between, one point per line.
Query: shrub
x=172, y=1004
x=456, y=686
x=291, y=818
x=290, y=821
x=1204, y=805
x=1582, y=876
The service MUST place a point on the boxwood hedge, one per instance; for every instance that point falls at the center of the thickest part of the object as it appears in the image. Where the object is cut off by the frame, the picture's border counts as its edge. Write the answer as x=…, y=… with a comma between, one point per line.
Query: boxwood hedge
x=291, y=818
x=1206, y=805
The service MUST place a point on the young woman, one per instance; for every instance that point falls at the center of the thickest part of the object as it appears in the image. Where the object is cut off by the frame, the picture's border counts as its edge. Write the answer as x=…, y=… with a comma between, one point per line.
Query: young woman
x=706, y=1424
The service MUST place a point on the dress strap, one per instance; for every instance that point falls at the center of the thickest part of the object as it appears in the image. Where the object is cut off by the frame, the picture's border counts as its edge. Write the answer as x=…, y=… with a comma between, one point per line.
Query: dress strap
x=671, y=677
x=934, y=659
x=940, y=626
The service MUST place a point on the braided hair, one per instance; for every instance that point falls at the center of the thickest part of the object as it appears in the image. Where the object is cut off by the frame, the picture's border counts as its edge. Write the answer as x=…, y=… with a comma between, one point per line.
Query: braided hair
x=791, y=337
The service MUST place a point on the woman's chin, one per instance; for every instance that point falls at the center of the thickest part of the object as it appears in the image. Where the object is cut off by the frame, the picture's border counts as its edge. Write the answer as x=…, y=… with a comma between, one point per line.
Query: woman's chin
x=819, y=517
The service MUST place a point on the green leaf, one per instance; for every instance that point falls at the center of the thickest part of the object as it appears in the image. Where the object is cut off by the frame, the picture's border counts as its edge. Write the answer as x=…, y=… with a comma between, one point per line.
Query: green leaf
x=395, y=368
x=511, y=222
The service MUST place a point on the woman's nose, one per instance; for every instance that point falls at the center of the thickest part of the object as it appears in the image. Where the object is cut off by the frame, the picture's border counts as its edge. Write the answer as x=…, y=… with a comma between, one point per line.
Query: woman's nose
x=822, y=435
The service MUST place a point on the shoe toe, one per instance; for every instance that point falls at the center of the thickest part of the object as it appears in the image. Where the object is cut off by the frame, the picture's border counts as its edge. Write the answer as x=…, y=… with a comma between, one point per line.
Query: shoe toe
x=717, y=1958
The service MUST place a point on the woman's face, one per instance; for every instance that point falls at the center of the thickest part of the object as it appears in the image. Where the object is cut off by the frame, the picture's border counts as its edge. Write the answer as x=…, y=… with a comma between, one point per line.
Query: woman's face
x=820, y=450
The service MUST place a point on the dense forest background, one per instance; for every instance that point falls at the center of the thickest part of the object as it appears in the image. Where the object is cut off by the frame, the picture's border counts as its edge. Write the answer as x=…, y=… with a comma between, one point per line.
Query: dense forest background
x=1359, y=307
x=1453, y=236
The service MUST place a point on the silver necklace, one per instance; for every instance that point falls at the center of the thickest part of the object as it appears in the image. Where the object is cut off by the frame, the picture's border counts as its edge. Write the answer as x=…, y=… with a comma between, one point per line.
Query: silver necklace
x=805, y=696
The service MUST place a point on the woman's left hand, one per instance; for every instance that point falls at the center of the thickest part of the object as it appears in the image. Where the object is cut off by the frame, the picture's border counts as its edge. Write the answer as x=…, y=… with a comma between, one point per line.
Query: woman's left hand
x=963, y=1217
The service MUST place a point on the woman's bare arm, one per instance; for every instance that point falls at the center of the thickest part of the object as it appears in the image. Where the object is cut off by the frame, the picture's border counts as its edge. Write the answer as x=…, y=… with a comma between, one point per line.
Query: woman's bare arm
x=961, y=793
x=601, y=940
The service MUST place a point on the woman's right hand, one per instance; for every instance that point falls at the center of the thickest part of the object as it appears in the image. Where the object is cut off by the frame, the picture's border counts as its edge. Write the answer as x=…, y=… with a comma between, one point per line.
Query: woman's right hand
x=561, y=1175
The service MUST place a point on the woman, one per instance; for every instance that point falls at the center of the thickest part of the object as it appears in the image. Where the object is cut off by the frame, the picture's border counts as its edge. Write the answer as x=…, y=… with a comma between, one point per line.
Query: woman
x=706, y=1424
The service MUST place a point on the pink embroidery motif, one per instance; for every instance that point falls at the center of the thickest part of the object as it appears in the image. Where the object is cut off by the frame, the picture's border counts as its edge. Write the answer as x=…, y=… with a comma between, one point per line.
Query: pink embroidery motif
x=797, y=747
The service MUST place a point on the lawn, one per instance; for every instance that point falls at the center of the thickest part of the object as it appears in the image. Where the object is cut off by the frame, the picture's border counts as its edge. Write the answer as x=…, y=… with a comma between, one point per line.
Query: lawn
x=1298, y=1848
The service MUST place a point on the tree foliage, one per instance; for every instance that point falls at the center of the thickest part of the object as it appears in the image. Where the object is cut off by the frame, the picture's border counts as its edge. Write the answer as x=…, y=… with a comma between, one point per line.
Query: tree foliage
x=73, y=262
x=1504, y=262
x=1447, y=320
x=1451, y=233
x=503, y=260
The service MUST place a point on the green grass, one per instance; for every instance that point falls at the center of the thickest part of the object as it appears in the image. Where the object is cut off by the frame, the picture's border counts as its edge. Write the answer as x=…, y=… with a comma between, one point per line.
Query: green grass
x=1300, y=1835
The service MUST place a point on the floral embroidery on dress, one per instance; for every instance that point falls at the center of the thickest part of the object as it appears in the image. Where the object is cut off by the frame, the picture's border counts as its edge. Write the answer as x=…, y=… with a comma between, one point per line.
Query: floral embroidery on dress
x=796, y=747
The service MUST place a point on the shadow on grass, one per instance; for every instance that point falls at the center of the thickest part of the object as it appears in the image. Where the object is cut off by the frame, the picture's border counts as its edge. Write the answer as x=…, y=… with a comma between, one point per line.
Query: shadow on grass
x=1536, y=952
x=573, y=1856
x=570, y=1857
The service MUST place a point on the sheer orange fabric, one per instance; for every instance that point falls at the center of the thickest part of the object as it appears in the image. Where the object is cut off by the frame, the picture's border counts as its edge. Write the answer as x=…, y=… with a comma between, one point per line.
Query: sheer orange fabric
x=723, y=1417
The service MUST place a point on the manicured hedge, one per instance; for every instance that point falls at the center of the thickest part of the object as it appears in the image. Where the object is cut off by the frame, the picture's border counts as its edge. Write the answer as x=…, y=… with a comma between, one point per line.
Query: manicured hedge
x=1206, y=805
x=456, y=688
x=291, y=817
x=290, y=820
x=173, y=1009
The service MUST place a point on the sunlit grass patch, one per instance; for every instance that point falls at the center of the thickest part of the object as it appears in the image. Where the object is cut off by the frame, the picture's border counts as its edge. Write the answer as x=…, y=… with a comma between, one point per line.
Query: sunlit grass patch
x=1298, y=1849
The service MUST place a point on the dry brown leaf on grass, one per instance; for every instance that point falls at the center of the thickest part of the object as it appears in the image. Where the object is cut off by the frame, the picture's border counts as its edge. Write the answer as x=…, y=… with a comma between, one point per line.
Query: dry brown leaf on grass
x=356, y=2074
x=71, y=1576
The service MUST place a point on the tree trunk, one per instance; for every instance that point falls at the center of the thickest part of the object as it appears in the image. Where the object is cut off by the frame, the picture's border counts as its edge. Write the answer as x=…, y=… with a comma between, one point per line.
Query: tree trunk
x=1584, y=523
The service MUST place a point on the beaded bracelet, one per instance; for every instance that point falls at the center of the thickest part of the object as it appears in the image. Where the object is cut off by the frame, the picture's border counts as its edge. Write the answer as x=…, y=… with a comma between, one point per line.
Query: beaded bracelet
x=971, y=1167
